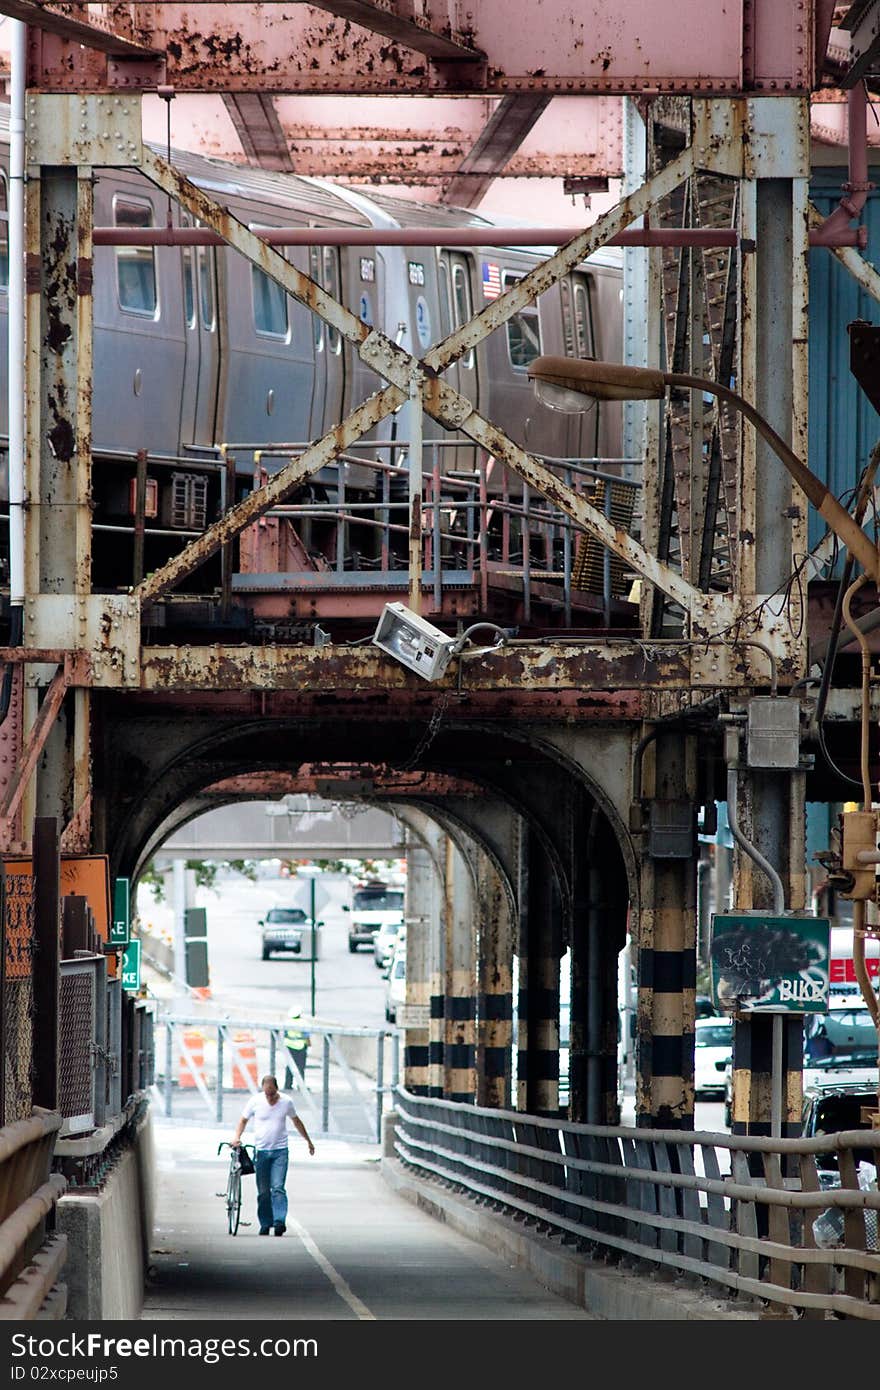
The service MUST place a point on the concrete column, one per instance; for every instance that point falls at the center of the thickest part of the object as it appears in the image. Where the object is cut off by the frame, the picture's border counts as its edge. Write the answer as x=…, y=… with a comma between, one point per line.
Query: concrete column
x=494, y=988
x=665, y=933
x=423, y=914
x=459, y=1039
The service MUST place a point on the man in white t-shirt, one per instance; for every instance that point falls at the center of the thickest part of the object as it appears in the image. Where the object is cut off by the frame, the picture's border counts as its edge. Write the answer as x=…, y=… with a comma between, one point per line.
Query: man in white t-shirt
x=269, y=1110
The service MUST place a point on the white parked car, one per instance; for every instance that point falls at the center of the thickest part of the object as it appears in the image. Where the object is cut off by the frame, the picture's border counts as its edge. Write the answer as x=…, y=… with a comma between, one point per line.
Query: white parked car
x=713, y=1049
x=384, y=942
x=395, y=993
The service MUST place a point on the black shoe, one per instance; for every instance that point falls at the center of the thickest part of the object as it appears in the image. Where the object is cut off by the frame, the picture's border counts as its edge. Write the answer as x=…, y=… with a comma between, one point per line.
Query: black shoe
x=264, y=1230
x=280, y=1228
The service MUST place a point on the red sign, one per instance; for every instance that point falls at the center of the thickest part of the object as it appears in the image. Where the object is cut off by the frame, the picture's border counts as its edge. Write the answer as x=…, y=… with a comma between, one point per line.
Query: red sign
x=843, y=972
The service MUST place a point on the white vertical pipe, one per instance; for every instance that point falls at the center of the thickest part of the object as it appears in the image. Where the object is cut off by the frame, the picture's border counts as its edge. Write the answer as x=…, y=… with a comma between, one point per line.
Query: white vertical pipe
x=15, y=382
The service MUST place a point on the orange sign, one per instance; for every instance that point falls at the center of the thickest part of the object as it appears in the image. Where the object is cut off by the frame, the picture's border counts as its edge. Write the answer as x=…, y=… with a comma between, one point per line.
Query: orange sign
x=87, y=876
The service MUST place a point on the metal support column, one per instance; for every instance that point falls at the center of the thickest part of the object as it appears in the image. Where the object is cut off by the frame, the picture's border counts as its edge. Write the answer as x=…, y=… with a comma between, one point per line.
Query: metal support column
x=666, y=937
x=459, y=1040
x=58, y=481
x=495, y=988
x=774, y=376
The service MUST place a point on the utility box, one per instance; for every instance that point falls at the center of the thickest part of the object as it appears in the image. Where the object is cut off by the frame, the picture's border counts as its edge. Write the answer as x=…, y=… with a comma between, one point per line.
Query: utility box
x=672, y=831
x=774, y=733
x=195, y=927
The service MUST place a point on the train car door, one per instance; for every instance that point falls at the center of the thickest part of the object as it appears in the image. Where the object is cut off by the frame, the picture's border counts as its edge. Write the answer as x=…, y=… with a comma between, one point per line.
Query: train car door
x=334, y=347
x=319, y=346
x=579, y=339
x=201, y=372
x=455, y=272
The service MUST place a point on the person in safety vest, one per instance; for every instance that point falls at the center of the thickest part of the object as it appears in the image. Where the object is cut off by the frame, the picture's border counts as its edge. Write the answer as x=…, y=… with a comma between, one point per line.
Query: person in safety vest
x=297, y=1044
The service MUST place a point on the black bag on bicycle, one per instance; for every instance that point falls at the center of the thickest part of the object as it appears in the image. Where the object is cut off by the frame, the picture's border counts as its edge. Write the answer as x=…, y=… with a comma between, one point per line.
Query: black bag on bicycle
x=245, y=1162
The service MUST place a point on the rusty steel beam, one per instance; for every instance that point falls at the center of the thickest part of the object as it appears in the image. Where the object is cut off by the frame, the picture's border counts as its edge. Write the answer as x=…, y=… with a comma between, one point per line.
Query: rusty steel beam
x=520, y=667
x=48, y=713
x=572, y=47
x=370, y=780
x=502, y=135
x=398, y=19
x=435, y=165
x=260, y=131
x=90, y=32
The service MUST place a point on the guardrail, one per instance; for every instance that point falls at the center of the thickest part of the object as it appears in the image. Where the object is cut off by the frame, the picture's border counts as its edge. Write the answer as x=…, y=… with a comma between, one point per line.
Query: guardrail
x=347, y=1102
x=767, y=1229
x=30, y=1259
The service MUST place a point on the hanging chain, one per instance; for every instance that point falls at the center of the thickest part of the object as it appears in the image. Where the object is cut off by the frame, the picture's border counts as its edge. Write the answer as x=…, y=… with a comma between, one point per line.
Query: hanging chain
x=430, y=733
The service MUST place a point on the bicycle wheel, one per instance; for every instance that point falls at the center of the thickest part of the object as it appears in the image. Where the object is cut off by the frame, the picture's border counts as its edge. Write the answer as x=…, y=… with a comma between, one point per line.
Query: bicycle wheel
x=233, y=1201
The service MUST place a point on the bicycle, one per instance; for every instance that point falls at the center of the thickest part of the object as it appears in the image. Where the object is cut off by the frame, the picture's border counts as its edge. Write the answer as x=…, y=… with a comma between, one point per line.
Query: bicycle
x=233, y=1183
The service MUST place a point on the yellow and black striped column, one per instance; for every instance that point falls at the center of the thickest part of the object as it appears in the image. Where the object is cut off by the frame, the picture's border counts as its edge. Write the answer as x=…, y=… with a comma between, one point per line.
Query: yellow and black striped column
x=422, y=922
x=752, y=1075
x=495, y=991
x=665, y=932
x=538, y=1003
x=460, y=1005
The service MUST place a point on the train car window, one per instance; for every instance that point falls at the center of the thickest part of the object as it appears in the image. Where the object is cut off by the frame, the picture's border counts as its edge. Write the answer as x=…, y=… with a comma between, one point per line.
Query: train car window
x=445, y=303
x=270, y=306
x=567, y=318
x=333, y=285
x=205, y=262
x=4, y=233
x=523, y=330
x=315, y=273
x=135, y=265
x=583, y=317
x=461, y=293
x=189, y=293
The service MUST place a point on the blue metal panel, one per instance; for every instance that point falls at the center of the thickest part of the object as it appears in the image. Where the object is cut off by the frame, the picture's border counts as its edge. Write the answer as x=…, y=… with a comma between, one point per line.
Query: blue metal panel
x=843, y=425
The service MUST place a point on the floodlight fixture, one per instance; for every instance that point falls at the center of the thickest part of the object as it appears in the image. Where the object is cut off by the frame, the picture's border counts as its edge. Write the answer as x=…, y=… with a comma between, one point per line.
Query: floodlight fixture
x=416, y=643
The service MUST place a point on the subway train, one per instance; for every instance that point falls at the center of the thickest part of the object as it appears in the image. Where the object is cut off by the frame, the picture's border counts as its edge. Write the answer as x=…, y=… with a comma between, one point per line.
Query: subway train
x=194, y=348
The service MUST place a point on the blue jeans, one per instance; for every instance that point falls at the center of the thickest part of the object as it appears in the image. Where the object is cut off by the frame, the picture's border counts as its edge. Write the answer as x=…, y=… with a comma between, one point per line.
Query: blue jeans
x=271, y=1166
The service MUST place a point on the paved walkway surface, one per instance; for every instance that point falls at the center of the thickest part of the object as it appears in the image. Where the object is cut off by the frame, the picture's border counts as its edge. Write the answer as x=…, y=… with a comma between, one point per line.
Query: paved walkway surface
x=353, y=1249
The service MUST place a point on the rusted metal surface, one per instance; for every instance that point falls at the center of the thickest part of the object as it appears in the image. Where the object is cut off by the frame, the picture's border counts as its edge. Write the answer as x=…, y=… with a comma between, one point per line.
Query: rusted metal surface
x=410, y=24
x=527, y=666
x=574, y=48
x=88, y=28
x=333, y=779
x=36, y=740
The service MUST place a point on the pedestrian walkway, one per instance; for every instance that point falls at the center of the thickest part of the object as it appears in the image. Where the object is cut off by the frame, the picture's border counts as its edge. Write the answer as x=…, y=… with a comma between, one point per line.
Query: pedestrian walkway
x=353, y=1248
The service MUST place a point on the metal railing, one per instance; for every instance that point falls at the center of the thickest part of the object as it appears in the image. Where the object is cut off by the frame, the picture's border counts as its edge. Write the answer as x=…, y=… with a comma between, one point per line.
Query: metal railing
x=337, y=1097
x=749, y=1214
x=30, y=1258
x=480, y=525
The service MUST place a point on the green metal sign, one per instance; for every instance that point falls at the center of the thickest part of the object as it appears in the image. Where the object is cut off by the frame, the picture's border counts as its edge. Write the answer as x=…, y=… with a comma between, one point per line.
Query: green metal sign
x=120, y=925
x=770, y=964
x=131, y=966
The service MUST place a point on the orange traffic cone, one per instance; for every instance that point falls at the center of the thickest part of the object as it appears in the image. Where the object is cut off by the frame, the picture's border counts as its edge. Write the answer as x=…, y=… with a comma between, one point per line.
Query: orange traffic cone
x=194, y=1042
x=244, y=1062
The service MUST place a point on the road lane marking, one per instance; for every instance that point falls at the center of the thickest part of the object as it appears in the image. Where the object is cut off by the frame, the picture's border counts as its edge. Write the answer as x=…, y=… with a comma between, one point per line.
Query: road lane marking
x=359, y=1309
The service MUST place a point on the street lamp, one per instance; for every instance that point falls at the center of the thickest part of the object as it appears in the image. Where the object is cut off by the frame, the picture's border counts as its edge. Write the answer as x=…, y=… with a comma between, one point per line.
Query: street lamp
x=562, y=383
x=311, y=871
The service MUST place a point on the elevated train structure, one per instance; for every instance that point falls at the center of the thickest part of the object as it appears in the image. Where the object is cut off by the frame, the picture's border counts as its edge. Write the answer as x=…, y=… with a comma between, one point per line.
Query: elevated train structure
x=207, y=376
x=654, y=614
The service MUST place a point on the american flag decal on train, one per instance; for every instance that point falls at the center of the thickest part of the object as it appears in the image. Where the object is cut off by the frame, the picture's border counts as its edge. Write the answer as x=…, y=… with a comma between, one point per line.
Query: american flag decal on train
x=491, y=281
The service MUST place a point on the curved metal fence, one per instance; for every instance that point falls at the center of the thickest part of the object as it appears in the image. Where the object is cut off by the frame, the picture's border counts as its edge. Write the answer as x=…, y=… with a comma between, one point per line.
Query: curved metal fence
x=792, y=1221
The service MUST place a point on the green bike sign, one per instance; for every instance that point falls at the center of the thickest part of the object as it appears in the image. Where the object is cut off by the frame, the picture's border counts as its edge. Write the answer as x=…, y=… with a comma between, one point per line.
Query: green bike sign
x=131, y=966
x=119, y=926
x=767, y=964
